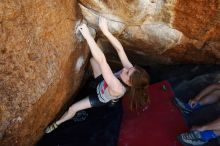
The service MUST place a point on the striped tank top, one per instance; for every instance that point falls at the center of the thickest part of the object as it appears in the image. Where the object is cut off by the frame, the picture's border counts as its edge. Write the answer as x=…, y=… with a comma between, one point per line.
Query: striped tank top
x=103, y=93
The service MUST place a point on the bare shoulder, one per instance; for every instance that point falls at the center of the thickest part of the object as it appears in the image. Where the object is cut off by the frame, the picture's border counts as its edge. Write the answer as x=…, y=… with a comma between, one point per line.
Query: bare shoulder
x=116, y=91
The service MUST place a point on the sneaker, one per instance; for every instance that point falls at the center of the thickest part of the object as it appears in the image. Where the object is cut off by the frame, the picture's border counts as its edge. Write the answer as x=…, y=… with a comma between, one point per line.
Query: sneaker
x=184, y=107
x=51, y=128
x=192, y=138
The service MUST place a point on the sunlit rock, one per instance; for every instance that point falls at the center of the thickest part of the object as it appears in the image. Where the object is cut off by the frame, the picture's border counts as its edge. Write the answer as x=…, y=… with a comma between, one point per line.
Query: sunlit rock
x=175, y=29
x=39, y=66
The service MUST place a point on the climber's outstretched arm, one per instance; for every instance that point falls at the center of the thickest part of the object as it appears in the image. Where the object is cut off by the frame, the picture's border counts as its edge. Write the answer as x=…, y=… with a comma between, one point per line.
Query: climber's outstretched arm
x=117, y=45
x=114, y=85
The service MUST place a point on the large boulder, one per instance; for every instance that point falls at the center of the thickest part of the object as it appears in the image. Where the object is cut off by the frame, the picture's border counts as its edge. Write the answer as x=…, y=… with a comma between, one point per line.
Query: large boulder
x=42, y=60
x=167, y=32
x=41, y=65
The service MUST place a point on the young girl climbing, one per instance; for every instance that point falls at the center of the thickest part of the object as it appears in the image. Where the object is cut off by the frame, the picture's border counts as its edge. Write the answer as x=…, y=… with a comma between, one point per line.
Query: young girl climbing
x=131, y=80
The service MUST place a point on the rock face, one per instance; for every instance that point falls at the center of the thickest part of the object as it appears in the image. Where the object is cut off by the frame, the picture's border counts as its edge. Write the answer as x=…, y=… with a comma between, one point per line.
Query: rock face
x=171, y=31
x=42, y=60
x=41, y=65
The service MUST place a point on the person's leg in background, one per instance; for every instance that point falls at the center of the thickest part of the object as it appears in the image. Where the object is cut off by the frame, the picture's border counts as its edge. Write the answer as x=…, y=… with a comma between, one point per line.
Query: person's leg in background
x=188, y=89
x=200, y=135
x=206, y=127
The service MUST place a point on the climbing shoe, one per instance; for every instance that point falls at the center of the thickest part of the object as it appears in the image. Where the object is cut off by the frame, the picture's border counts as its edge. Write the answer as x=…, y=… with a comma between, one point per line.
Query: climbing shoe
x=51, y=128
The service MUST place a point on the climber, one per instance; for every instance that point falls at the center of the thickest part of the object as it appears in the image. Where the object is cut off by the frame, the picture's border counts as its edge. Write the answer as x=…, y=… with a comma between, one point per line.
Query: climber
x=201, y=134
x=132, y=80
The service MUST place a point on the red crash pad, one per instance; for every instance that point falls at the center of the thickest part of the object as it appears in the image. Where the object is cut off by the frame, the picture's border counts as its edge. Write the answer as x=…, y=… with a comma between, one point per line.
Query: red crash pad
x=157, y=124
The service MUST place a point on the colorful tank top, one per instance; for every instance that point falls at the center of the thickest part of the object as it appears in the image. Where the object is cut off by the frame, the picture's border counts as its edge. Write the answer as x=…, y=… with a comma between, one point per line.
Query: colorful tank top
x=103, y=93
